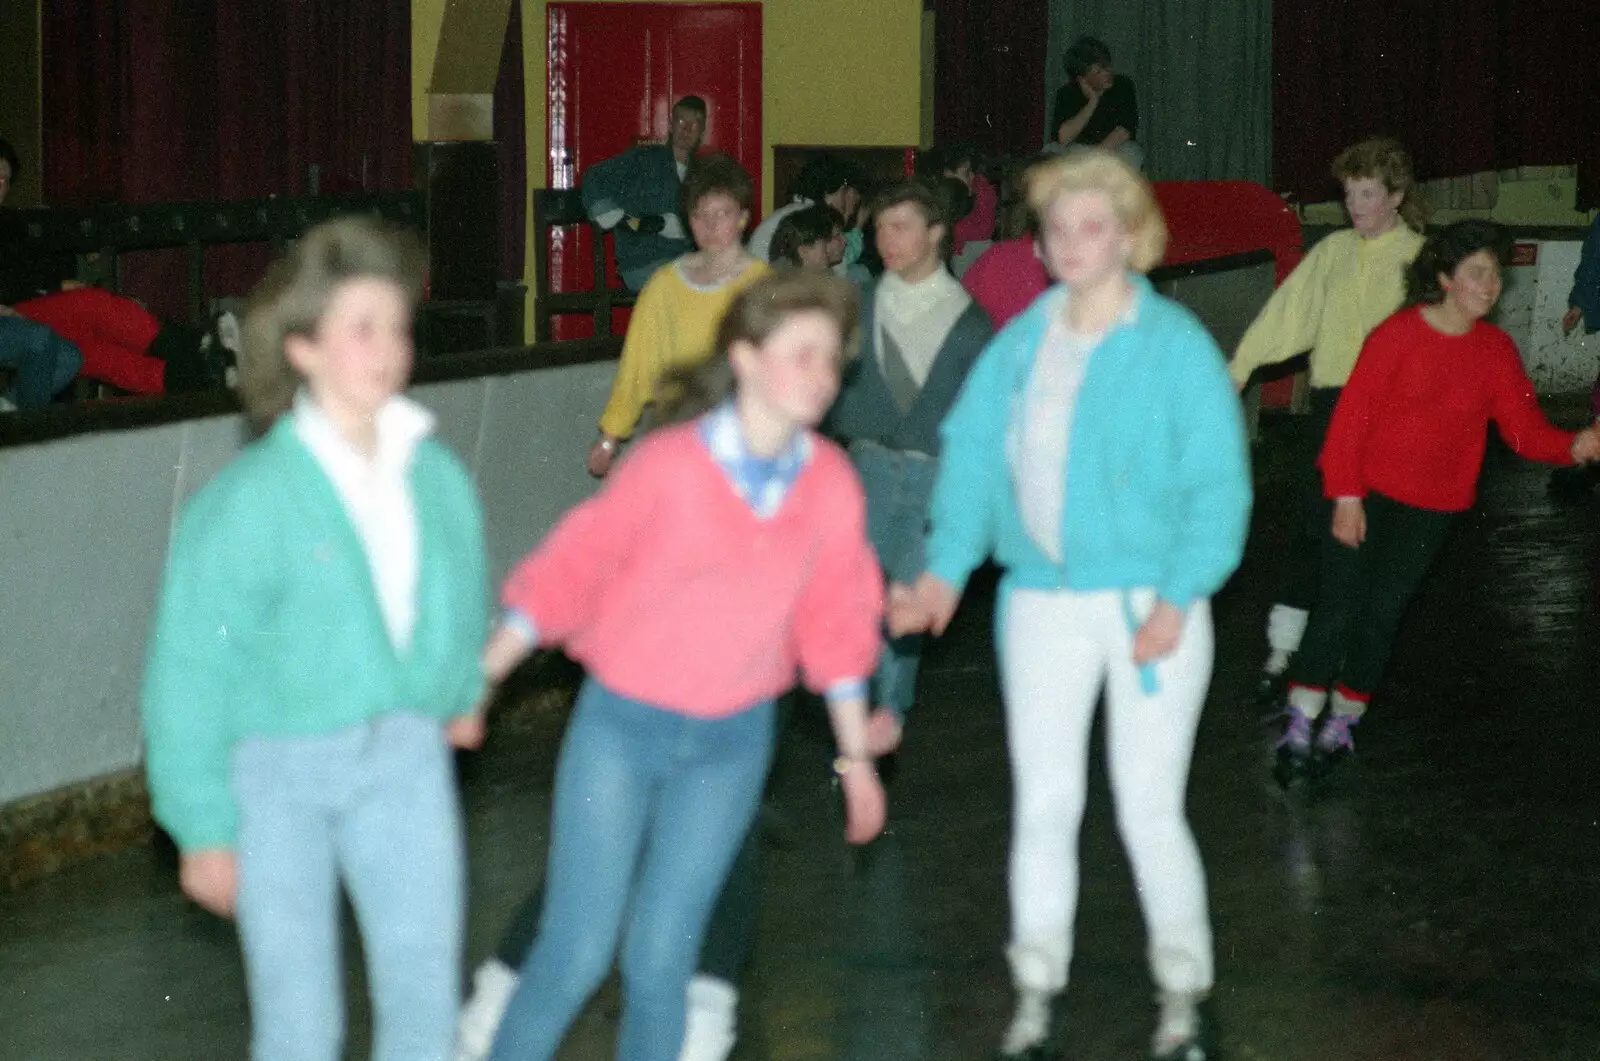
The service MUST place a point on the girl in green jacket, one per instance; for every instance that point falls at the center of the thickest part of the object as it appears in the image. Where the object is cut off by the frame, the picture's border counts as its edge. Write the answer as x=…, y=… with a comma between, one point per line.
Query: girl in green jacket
x=316, y=651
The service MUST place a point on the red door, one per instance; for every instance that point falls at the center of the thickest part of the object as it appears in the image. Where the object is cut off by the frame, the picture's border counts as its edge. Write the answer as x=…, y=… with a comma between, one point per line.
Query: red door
x=614, y=72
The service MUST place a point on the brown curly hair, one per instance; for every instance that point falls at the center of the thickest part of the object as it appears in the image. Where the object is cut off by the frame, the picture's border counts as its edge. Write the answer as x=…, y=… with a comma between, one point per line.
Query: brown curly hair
x=1385, y=159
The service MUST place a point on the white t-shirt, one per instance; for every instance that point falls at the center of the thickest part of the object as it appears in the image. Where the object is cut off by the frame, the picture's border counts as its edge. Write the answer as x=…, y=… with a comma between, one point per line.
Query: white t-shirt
x=376, y=495
x=1040, y=440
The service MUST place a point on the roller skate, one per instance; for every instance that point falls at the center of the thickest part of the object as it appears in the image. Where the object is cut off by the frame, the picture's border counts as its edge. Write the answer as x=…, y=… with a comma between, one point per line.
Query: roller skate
x=1183, y=1030
x=1292, y=753
x=1333, y=744
x=1028, y=1037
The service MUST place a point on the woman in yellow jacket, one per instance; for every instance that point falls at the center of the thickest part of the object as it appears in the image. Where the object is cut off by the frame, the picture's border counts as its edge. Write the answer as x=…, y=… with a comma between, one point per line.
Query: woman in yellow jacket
x=1349, y=282
x=674, y=323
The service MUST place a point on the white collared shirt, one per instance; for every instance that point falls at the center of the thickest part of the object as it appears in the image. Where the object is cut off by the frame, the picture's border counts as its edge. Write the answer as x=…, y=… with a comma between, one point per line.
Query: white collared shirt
x=376, y=495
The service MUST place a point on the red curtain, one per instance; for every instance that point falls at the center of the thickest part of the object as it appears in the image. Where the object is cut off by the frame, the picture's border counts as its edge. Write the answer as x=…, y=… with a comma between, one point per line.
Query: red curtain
x=1470, y=85
x=988, y=80
x=164, y=100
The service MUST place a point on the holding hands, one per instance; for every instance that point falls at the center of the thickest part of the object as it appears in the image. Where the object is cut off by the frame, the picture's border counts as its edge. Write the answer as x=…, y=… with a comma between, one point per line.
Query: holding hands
x=928, y=606
x=1586, y=445
x=923, y=608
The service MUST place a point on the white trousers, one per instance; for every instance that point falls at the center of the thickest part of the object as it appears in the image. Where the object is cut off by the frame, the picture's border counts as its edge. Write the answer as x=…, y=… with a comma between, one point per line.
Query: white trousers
x=1059, y=648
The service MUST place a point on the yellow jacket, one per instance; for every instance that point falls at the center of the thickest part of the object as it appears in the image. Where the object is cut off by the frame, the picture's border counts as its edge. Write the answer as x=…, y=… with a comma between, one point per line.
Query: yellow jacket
x=674, y=325
x=1343, y=289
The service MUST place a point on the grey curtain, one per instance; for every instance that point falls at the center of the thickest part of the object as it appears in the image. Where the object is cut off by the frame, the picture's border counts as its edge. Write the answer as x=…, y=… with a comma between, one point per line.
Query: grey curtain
x=1203, y=72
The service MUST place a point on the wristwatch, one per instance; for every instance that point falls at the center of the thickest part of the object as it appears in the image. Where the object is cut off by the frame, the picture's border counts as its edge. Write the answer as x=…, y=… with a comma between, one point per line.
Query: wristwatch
x=844, y=764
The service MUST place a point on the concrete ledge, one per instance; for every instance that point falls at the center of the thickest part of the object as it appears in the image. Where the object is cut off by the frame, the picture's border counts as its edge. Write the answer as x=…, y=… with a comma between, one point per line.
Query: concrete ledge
x=48, y=832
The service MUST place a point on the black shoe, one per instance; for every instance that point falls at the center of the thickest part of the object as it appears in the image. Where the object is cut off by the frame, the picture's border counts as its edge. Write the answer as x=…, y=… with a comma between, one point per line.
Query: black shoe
x=1333, y=745
x=1292, y=753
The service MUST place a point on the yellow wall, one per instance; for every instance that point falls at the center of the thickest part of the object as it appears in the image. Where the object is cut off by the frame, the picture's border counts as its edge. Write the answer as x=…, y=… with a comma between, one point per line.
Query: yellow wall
x=427, y=16
x=838, y=72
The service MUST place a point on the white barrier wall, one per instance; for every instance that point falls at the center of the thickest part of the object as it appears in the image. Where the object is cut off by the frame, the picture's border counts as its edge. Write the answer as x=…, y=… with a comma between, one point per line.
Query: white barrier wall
x=85, y=522
x=1530, y=310
x=84, y=526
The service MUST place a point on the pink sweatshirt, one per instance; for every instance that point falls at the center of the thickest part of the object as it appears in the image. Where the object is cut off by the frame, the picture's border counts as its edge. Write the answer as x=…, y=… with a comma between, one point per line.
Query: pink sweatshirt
x=670, y=590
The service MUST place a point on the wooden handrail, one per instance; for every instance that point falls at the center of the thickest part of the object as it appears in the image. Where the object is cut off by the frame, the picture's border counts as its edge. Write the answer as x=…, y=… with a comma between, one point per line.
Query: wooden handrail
x=155, y=226
x=98, y=235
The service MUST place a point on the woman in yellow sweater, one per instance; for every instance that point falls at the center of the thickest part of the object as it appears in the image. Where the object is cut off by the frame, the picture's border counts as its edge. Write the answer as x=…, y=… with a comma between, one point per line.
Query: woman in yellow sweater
x=675, y=320
x=1349, y=283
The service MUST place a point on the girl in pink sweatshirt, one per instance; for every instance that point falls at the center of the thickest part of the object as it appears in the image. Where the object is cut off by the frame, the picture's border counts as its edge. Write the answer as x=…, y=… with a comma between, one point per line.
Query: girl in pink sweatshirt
x=727, y=552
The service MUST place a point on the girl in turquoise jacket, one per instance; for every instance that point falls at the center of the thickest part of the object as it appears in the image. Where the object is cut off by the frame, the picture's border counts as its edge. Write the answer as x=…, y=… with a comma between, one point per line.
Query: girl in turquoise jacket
x=316, y=650
x=1098, y=453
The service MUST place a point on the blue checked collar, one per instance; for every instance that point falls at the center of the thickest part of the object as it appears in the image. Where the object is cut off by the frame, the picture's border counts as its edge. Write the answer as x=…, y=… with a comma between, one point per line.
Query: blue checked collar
x=761, y=483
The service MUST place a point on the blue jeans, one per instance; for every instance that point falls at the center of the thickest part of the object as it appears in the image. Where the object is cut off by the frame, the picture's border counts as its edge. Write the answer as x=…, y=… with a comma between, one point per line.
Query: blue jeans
x=43, y=361
x=899, y=486
x=650, y=808
x=373, y=805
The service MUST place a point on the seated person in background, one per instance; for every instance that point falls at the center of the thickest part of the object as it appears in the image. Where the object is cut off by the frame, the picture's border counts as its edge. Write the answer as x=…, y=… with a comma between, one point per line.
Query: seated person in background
x=1583, y=304
x=1096, y=107
x=1583, y=307
x=674, y=323
x=1008, y=276
x=824, y=179
x=39, y=362
x=803, y=238
x=841, y=259
x=635, y=195
x=113, y=340
x=957, y=160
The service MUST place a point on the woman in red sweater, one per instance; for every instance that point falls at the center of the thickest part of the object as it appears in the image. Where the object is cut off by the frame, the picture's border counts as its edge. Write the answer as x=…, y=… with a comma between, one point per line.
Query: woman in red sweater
x=1401, y=460
x=723, y=555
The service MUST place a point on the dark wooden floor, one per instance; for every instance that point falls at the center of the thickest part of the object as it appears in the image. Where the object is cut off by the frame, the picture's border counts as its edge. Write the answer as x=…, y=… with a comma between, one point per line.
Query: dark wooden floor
x=1440, y=903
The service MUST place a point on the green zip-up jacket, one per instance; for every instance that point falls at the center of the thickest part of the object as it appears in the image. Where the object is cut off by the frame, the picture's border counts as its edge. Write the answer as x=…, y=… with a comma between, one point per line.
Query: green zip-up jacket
x=269, y=623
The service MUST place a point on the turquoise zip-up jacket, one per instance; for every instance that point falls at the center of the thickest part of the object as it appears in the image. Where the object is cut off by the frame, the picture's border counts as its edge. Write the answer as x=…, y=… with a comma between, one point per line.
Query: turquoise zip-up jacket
x=269, y=623
x=1157, y=480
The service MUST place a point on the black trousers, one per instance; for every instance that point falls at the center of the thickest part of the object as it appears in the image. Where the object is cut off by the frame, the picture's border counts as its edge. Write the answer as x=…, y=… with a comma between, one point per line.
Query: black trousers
x=1302, y=577
x=1364, y=595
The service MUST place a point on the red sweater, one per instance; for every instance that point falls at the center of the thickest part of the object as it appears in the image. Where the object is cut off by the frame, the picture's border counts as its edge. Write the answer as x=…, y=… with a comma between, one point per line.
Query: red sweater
x=1006, y=279
x=670, y=590
x=1412, y=422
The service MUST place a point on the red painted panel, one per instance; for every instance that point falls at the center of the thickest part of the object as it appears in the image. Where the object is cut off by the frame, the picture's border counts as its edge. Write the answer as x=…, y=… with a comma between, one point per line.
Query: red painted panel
x=614, y=72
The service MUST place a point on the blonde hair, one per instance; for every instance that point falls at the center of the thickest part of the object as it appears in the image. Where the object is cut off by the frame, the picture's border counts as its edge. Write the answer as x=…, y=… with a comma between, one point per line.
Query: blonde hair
x=292, y=298
x=757, y=312
x=1097, y=170
x=1385, y=159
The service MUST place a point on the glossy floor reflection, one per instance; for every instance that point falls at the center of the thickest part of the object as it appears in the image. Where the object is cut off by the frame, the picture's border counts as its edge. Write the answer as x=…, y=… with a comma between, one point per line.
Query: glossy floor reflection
x=1440, y=903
